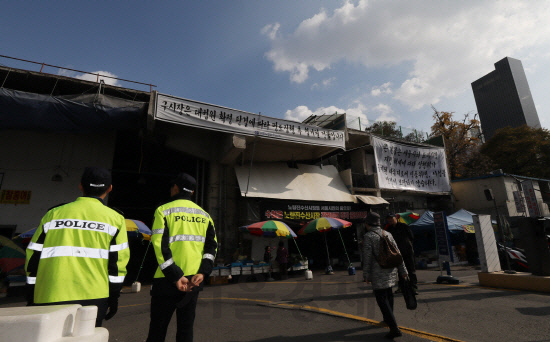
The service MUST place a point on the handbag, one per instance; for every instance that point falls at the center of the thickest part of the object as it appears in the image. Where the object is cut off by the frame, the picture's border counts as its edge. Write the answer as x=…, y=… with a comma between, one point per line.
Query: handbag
x=408, y=293
x=388, y=254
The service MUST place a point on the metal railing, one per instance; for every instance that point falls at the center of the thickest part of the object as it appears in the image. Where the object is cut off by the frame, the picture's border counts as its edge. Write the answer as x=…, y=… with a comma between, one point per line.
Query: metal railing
x=400, y=132
x=84, y=72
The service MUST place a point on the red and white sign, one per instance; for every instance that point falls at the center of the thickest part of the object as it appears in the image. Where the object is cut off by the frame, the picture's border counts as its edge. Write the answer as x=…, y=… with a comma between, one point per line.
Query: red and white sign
x=531, y=198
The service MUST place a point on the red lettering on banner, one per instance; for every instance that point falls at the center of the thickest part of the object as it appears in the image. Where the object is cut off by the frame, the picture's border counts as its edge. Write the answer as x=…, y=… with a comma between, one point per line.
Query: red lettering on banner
x=276, y=214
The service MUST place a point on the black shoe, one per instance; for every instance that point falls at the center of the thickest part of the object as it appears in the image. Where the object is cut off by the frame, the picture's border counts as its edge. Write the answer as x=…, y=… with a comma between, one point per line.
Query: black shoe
x=398, y=291
x=393, y=334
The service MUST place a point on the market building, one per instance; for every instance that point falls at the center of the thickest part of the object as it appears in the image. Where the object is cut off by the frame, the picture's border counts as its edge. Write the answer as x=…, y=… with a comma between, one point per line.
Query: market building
x=249, y=167
x=510, y=196
x=379, y=170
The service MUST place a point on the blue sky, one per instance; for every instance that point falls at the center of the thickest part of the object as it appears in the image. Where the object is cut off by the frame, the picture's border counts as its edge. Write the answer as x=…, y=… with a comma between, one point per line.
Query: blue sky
x=377, y=60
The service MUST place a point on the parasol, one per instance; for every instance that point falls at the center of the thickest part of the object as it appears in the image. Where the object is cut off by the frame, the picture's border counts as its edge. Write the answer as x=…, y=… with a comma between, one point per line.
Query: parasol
x=271, y=229
x=407, y=217
x=12, y=256
x=324, y=224
x=137, y=228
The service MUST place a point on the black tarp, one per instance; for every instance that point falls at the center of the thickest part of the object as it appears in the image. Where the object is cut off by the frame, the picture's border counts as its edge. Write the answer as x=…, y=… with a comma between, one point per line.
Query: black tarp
x=74, y=113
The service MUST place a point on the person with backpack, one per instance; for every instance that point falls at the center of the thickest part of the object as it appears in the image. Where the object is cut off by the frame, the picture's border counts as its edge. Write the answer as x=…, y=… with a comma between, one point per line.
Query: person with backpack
x=382, y=263
x=404, y=238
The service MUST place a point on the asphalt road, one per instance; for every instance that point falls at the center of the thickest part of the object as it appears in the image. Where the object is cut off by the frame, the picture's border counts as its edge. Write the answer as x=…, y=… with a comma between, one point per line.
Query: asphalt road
x=342, y=308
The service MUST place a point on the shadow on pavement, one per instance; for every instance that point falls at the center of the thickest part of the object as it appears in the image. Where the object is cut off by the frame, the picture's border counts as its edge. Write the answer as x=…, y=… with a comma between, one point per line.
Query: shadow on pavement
x=369, y=333
x=544, y=311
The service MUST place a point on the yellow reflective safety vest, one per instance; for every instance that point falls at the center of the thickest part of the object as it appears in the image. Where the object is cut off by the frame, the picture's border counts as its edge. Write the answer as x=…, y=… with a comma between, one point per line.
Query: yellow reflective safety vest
x=77, y=252
x=184, y=240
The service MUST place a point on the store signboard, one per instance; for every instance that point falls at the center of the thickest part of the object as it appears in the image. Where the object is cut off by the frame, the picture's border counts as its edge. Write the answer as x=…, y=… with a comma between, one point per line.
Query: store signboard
x=15, y=197
x=273, y=210
x=197, y=114
x=406, y=167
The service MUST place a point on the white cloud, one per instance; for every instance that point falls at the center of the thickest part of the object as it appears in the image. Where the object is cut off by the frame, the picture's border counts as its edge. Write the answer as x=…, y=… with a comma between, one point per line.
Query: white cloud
x=299, y=113
x=383, y=89
x=324, y=84
x=384, y=112
x=446, y=45
x=354, y=115
x=271, y=30
x=92, y=78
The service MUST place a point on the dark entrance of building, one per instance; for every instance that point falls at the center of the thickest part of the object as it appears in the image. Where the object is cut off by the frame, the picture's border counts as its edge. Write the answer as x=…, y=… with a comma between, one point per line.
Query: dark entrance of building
x=142, y=170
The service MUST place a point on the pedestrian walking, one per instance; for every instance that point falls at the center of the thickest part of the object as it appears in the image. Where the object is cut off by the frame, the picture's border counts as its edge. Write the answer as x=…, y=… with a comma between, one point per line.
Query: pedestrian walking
x=185, y=245
x=79, y=252
x=382, y=279
x=282, y=259
x=267, y=254
x=404, y=238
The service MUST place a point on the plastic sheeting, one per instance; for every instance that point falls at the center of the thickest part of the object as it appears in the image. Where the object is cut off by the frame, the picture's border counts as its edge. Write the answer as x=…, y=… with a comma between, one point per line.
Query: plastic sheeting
x=306, y=182
x=371, y=200
x=455, y=221
x=74, y=113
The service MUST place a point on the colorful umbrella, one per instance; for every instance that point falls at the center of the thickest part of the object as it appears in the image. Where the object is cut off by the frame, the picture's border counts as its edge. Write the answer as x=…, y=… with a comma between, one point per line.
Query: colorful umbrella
x=323, y=224
x=26, y=235
x=11, y=256
x=137, y=228
x=407, y=217
x=269, y=229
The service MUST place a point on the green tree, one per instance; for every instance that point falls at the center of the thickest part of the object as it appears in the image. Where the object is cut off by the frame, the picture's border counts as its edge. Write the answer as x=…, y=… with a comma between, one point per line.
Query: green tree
x=385, y=128
x=461, y=140
x=520, y=150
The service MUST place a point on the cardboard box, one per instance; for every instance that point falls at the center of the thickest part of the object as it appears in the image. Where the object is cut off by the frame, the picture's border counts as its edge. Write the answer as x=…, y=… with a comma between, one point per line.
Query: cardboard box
x=219, y=280
x=246, y=270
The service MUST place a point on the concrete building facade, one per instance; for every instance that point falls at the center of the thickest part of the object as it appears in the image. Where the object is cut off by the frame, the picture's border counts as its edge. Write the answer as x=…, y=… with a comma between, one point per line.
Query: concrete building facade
x=503, y=98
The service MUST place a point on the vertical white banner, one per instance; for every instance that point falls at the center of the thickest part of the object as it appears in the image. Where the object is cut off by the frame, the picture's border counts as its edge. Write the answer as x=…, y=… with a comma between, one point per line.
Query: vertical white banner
x=531, y=198
x=407, y=167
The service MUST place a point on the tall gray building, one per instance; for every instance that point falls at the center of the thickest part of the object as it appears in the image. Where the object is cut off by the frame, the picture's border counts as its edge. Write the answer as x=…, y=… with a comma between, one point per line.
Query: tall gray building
x=503, y=98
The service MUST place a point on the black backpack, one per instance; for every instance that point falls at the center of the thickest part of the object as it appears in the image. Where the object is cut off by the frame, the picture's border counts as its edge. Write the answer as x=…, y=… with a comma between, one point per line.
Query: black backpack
x=388, y=254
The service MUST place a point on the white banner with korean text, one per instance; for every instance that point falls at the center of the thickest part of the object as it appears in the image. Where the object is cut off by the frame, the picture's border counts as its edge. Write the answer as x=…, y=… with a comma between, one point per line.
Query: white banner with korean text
x=406, y=167
x=197, y=114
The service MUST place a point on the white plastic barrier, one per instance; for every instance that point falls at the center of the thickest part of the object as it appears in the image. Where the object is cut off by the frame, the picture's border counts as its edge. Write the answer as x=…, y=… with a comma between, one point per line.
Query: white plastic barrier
x=52, y=323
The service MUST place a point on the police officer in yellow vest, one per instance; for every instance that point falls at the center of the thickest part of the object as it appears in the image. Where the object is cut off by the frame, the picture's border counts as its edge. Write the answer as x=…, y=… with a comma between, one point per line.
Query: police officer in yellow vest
x=78, y=254
x=185, y=246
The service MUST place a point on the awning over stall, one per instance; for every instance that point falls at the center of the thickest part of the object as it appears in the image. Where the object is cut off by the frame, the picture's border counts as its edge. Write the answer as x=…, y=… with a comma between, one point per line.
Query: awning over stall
x=306, y=182
x=371, y=200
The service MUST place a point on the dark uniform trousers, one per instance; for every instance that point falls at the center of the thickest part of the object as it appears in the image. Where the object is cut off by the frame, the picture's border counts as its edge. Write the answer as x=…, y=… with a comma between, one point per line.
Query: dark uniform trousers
x=162, y=309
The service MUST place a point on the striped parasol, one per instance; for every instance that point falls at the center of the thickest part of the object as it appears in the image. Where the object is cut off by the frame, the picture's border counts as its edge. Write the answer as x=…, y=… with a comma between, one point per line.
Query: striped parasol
x=269, y=229
x=136, y=228
x=323, y=224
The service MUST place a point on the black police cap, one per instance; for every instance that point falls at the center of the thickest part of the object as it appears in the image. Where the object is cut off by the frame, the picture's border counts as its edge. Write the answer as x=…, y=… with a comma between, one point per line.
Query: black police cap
x=185, y=182
x=96, y=178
